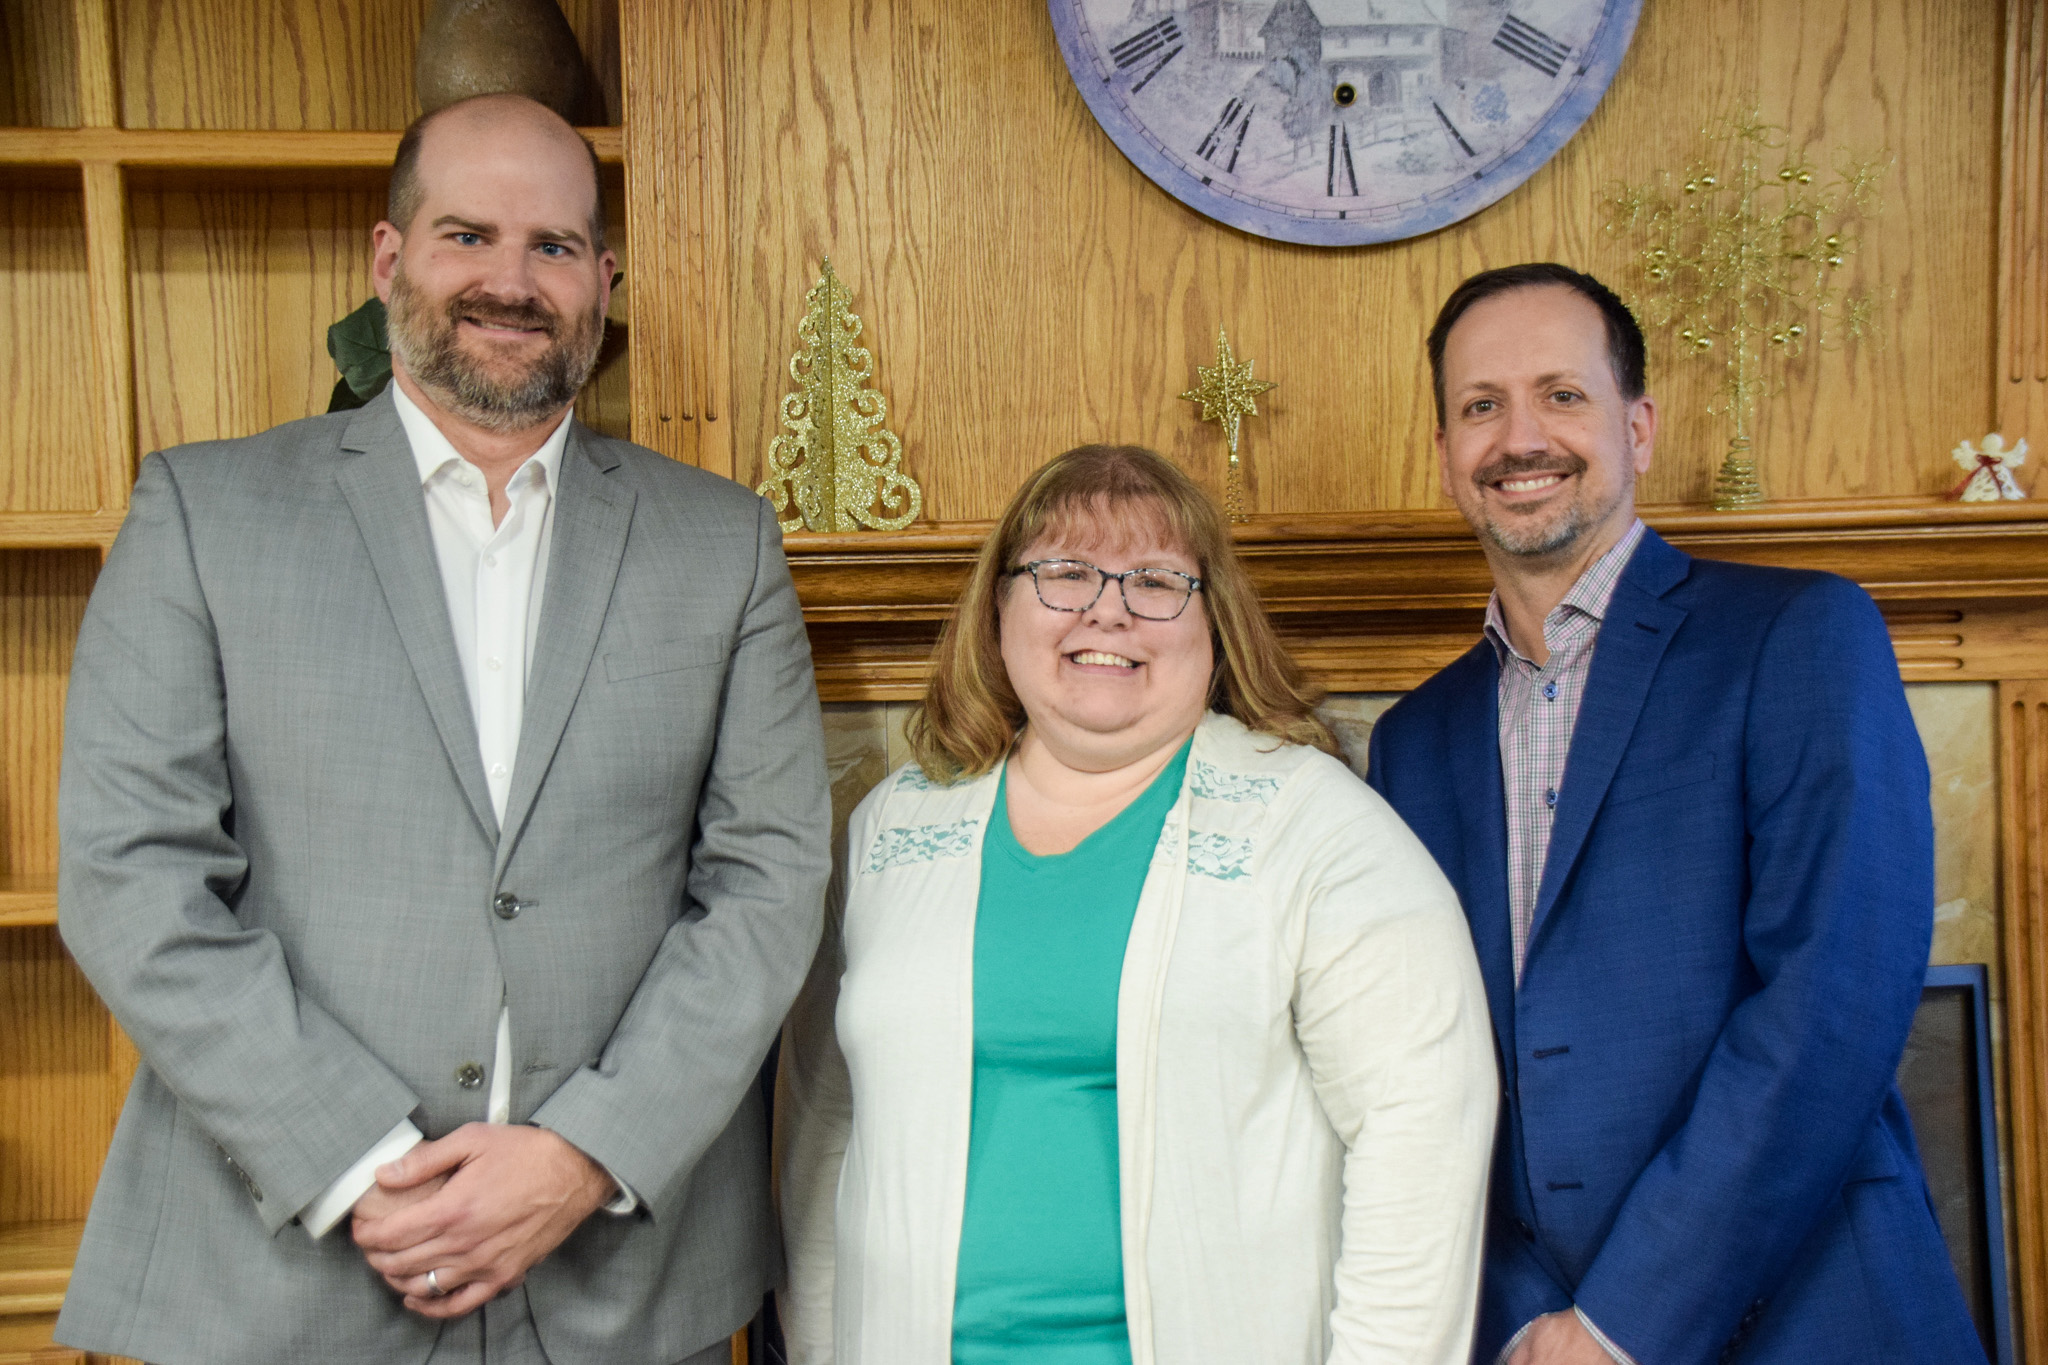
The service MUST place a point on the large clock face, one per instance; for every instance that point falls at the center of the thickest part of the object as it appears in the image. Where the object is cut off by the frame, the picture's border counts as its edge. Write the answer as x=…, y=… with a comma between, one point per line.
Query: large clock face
x=1341, y=122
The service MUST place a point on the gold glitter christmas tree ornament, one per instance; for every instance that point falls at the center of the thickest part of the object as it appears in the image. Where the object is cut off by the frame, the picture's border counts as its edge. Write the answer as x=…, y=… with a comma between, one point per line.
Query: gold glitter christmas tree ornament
x=1228, y=394
x=835, y=467
x=1740, y=256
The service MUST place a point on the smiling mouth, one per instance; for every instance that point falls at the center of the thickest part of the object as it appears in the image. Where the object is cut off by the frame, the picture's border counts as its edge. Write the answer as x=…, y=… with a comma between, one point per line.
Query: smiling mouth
x=1532, y=483
x=1102, y=658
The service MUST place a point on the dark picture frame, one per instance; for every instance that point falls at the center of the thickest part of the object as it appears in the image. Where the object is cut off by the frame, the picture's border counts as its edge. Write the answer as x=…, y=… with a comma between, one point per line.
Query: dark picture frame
x=1946, y=1078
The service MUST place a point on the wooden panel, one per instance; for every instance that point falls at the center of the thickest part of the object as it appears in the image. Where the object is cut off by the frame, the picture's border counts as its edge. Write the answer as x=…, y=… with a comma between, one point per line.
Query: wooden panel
x=92, y=30
x=2023, y=811
x=46, y=428
x=42, y=597
x=234, y=290
x=676, y=180
x=1026, y=289
x=55, y=1120
x=299, y=63
x=2021, y=377
x=39, y=62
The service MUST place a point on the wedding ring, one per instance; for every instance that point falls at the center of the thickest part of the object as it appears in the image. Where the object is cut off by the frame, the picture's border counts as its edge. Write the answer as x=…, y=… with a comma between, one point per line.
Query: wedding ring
x=434, y=1288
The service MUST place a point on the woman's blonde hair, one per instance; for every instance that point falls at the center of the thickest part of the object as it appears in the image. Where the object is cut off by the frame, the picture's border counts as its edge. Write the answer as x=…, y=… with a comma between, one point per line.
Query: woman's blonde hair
x=971, y=715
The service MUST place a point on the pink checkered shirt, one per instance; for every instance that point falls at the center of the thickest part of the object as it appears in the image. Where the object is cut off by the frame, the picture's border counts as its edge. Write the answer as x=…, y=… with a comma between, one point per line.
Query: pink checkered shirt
x=1538, y=708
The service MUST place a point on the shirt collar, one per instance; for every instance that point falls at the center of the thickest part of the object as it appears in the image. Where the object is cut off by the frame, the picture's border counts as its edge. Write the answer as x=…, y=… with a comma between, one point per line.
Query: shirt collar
x=433, y=452
x=1589, y=596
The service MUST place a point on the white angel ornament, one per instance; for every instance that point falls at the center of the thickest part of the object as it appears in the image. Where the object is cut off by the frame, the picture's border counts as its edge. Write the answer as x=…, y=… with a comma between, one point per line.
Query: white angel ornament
x=1990, y=478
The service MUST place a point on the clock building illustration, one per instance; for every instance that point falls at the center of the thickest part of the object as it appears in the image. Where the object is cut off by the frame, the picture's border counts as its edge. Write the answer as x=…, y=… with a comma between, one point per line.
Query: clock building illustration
x=1341, y=122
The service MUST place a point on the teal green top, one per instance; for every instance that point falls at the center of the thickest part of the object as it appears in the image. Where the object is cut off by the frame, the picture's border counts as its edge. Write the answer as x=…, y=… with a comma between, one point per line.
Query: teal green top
x=1041, y=1276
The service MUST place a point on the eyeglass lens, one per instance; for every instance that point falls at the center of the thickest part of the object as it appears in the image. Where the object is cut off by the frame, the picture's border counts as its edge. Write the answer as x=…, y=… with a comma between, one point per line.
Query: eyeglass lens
x=1073, y=585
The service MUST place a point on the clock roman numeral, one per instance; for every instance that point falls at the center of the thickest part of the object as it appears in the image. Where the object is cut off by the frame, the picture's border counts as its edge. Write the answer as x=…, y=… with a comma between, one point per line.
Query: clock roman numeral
x=1340, y=148
x=1452, y=129
x=1157, y=67
x=1519, y=38
x=1145, y=42
x=1236, y=115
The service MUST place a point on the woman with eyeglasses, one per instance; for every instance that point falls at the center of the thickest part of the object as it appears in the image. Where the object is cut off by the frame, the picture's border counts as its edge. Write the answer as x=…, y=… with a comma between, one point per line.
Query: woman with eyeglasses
x=1143, y=1032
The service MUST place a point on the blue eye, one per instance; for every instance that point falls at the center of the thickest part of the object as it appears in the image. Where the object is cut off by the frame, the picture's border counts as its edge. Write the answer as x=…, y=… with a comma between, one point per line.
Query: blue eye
x=556, y=249
x=466, y=238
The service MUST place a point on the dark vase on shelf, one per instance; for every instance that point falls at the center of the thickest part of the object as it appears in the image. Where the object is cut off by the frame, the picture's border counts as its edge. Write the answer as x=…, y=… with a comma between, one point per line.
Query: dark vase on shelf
x=486, y=47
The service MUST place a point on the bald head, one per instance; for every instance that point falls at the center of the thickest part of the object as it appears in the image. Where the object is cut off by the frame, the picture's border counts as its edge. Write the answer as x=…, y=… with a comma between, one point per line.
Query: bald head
x=486, y=122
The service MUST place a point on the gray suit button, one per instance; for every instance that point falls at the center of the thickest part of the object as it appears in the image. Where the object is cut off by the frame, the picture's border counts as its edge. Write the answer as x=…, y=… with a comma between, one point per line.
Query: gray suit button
x=469, y=1075
x=507, y=905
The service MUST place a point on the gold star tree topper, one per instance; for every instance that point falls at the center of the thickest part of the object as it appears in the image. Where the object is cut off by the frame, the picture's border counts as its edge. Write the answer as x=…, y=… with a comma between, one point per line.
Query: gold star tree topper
x=1228, y=394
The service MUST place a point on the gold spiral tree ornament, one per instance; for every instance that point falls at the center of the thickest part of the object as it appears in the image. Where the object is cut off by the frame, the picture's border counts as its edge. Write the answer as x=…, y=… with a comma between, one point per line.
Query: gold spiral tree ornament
x=836, y=467
x=1741, y=257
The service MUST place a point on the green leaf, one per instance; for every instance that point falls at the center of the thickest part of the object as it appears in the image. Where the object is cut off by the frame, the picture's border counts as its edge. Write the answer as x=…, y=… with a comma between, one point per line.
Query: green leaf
x=362, y=350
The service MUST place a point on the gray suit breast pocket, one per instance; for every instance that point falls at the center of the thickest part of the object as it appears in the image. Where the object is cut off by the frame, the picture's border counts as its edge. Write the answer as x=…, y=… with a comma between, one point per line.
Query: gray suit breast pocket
x=670, y=656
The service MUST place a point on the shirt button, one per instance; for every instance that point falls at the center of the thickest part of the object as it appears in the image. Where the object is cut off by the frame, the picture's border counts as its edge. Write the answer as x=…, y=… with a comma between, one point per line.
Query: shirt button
x=1550, y=691
x=490, y=561
x=493, y=663
x=498, y=770
x=469, y=1075
x=1550, y=798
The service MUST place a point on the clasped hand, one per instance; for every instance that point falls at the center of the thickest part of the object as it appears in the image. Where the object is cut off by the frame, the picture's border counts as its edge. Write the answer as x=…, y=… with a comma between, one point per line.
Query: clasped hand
x=478, y=1208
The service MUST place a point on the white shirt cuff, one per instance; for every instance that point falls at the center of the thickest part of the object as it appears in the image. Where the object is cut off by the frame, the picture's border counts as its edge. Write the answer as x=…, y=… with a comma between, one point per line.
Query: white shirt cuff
x=323, y=1213
x=1620, y=1356
x=1600, y=1338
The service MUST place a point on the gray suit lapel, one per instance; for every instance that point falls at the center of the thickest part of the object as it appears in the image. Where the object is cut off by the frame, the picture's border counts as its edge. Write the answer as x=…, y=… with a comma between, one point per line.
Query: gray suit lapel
x=382, y=484
x=591, y=515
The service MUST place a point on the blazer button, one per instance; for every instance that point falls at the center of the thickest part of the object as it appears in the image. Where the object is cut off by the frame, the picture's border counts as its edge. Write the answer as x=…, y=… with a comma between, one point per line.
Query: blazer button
x=507, y=905
x=469, y=1075
x=1528, y=1233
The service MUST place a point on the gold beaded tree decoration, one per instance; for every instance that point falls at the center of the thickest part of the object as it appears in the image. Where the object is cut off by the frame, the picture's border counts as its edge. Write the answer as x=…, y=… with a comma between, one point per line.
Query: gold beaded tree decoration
x=835, y=467
x=1741, y=259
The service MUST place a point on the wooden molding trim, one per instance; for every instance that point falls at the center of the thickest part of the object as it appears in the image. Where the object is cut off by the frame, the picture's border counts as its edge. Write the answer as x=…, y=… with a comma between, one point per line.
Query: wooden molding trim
x=2023, y=819
x=1379, y=601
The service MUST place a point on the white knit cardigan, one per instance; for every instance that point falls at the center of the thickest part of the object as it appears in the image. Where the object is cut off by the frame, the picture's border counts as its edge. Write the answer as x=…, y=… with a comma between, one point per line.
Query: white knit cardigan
x=1306, y=1084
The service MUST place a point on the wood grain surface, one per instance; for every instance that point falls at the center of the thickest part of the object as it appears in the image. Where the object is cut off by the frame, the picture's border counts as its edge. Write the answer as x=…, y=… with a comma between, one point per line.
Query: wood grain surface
x=54, y=1117
x=2021, y=376
x=300, y=63
x=46, y=426
x=2023, y=820
x=39, y=63
x=1026, y=289
x=42, y=597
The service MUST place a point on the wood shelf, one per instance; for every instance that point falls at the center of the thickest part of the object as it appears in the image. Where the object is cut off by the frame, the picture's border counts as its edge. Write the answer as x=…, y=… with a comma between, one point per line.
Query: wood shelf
x=35, y=1267
x=58, y=530
x=227, y=149
x=25, y=900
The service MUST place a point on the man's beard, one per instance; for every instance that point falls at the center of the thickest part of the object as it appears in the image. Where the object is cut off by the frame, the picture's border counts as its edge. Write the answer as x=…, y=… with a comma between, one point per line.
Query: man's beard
x=1530, y=537
x=428, y=344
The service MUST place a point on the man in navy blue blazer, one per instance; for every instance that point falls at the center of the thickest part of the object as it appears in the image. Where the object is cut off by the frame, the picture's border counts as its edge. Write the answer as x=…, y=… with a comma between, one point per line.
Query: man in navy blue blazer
x=1687, y=812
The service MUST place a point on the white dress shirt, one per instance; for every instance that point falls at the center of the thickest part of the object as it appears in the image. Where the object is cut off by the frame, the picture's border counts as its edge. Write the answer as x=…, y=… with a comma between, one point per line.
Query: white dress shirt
x=494, y=577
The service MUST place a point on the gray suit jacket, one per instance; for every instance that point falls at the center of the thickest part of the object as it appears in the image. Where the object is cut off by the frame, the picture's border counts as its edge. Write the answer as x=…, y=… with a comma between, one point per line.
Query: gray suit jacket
x=280, y=864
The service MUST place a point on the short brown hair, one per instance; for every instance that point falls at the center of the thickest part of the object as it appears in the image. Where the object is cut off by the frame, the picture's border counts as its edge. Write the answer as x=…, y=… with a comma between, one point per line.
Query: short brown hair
x=1625, y=349
x=971, y=715
x=402, y=199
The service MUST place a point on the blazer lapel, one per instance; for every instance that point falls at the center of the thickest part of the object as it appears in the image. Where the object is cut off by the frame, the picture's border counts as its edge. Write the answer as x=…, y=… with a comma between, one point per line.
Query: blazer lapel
x=382, y=485
x=1473, y=721
x=1633, y=637
x=591, y=515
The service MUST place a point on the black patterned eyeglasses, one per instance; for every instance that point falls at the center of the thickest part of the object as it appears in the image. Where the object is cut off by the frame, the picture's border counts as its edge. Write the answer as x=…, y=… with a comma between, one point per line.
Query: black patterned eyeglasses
x=1076, y=585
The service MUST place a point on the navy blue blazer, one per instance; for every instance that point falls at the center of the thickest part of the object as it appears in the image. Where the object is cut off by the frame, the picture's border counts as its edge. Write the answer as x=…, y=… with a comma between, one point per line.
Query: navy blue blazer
x=1701, y=1142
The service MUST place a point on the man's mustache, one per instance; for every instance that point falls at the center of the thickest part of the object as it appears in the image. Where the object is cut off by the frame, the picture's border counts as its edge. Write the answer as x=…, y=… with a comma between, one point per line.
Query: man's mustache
x=493, y=313
x=1524, y=466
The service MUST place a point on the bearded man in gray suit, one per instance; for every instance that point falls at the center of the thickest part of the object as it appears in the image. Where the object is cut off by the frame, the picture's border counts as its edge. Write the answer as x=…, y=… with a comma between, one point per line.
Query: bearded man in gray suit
x=444, y=817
